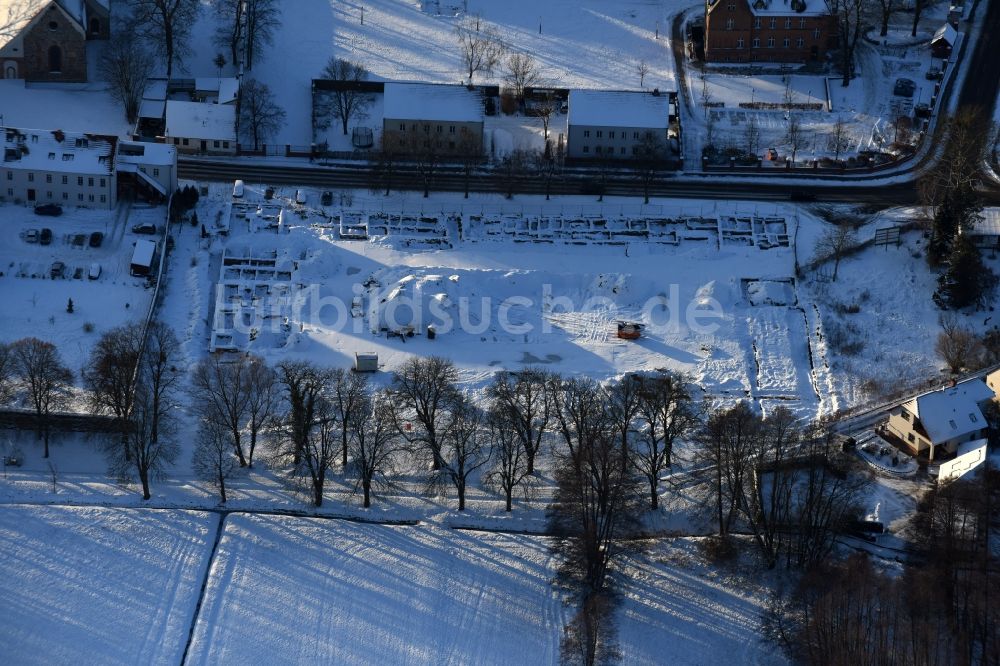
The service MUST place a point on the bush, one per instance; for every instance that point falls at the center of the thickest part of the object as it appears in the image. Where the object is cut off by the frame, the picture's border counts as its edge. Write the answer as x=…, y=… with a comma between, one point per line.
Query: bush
x=88, y=327
x=720, y=548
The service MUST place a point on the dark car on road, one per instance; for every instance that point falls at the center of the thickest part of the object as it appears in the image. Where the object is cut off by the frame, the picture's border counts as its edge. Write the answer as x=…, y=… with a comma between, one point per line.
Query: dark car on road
x=45, y=237
x=52, y=210
x=147, y=229
x=96, y=239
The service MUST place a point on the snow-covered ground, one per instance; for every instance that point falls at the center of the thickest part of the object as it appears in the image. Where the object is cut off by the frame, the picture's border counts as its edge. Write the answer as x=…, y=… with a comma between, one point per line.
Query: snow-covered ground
x=320, y=590
x=41, y=106
x=100, y=585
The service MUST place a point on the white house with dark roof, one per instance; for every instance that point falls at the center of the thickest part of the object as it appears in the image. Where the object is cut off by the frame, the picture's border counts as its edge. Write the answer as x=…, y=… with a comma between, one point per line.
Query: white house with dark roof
x=51, y=166
x=194, y=127
x=936, y=423
x=447, y=118
x=615, y=124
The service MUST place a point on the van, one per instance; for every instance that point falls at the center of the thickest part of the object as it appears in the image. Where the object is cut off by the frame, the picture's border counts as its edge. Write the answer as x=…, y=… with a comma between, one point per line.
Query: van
x=238, y=189
x=95, y=272
x=300, y=196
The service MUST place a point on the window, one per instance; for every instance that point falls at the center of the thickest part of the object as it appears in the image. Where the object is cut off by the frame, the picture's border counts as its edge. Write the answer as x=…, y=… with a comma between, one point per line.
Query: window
x=756, y=23
x=600, y=134
x=586, y=134
x=770, y=42
x=65, y=196
x=402, y=127
x=79, y=181
x=440, y=129
x=104, y=198
x=215, y=144
x=10, y=175
x=622, y=151
x=597, y=150
x=952, y=424
x=774, y=23
x=225, y=144
x=90, y=182
x=10, y=191
x=156, y=172
x=800, y=42
x=786, y=42
x=905, y=414
x=95, y=26
x=427, y=129
x=65, y=180
x=788, y=24
x=909, y=437
x=649, y=136
x=52, y=156
x=635, y=150
x=55, y=59
x=53, y=25
x=185, y=142
x=79, y=197
x=816, y=33
x=586, y=149
x=611, y=134
x=48, y=178
x=48, y=195
x=31, y=177
x=739, y=43
x=90, y=198
x=802, y=24
x=732, y=6
x=142, y=169
x=756, y=42
x=451, y=129
x=635, y=135
x=730, y=24
x=104, y=182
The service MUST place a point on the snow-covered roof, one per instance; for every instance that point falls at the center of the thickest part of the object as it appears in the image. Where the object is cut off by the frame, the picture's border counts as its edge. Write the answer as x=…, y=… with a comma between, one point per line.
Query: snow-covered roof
x=432, y=101
x=952, y=412
x=55, y=151
x=194, y=120
x=225, y=88
x=988, y=224
x=618, y=108
x=947, y=33
x=787, y=8
x=143, y=254
x=154, y=154
x=155, y=89
x=152, y=108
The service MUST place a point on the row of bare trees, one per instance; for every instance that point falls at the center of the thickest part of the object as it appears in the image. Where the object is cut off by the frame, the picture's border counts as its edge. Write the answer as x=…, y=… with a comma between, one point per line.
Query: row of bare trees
x=33, y=373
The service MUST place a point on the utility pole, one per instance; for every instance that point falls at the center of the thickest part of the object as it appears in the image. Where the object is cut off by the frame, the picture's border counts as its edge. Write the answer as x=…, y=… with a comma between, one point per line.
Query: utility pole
x=362, y=14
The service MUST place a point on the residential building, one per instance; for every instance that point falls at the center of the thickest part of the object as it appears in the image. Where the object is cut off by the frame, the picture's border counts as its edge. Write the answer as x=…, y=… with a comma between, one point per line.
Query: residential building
x=194, y=127
x=768, y=30
x=936, y=423
x=616, y=124
x=447, y=119
x=46, y=40
x=985, y=231
x=45, y=166
x=148, y=169
x=943, y=41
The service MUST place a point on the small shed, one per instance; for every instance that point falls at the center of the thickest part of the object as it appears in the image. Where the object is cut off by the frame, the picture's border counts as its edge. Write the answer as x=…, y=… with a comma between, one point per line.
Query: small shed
x=366, y=362
x=943, y=41
x=142, y=257
x=985, y=231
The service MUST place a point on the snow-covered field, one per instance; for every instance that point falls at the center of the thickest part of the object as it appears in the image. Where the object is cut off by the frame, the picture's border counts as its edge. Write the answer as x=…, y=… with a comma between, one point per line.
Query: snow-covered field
x=310, y=590
x=93, y=585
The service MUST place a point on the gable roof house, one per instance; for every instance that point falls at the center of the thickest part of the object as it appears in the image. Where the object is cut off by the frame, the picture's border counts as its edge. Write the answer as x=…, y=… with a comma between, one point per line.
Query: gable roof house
x=615, y=124
x=445, y=118
x=194, y=127
x=768, y=30
x=935, y=424
x=46, y=40
x=943, y=41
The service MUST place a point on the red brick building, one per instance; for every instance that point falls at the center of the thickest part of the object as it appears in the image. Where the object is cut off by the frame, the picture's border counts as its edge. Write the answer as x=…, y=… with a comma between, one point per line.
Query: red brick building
x=768, y=30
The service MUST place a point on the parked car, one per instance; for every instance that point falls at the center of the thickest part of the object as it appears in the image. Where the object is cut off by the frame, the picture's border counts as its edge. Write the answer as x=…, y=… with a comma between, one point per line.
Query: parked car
x=146, y=229
x=934, y=74
x=12, y=461
x=31, y=235
x=922, y=110
x=238, y=189
x=45, y=237
x=904, y=88
x=96, y=239
x=327, y=198
x=94, y=272
x=269, y=193
x=57, y=270
x=52, y=210
x=300, y=196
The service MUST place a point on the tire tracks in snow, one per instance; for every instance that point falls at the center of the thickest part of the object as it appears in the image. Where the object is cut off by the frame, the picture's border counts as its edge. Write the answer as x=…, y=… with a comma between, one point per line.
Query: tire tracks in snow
x=204, y=585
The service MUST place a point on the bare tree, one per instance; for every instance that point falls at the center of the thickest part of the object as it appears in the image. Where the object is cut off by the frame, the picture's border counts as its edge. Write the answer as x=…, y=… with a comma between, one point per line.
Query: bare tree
x=41, y=374
x=545, y=106
x=263, y=400
x=230, y=24
x=464, y=448
x=513, y=168
x=347, y=101
x=126, y=65
x=111, y=374
x=260, y=116
x=423, y=150
x=374, y=443
x=728, y=442
x=6, y=374
x=642, y=69
x=521, y=72
x=304, y=383
x=480, y=47
x=887, y=8
x=525, y=399
x=391, y=145
x=213, y=459
x=470, y=152
x=263, y=17
x=958, y=345
x=795, y=135
x=220, y=390
x=424, y=390
x=321, y=449
x=648, y=162
x=621, y=404
x=508, y=462
x=666, y=413
x=166, y=24
x=853, y=17
x=590, y=638
x=348, y=392
x=769, y=495
x=751, y=134
x=834, y=244
x=839, y=138
x=918, y=10
x=151, y=444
